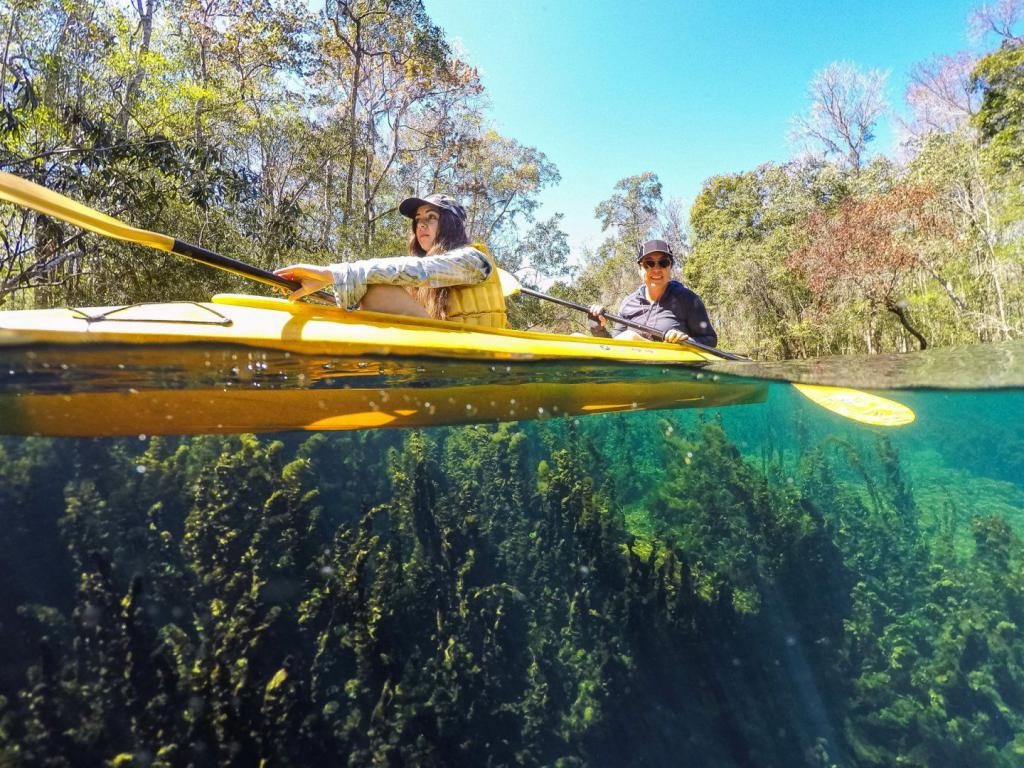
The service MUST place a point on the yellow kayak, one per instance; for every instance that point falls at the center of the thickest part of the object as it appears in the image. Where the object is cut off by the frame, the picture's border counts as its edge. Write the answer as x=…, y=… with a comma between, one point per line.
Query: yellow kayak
x=251, y=364
x=271, y=323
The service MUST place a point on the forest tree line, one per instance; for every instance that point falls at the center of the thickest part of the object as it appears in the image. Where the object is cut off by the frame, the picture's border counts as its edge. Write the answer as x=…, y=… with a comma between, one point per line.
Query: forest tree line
x=275, y=132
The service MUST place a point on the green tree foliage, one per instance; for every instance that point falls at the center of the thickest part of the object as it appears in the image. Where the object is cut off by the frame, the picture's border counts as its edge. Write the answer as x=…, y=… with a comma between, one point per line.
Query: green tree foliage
x=1000, y=118
x=261, y=130
x=744, y=228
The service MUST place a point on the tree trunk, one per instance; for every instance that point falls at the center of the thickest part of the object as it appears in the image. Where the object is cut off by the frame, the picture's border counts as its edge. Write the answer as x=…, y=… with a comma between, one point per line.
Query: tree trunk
x=131, y=92
x=901, y=313
x=353, y=128
x=7, y=48
x=990, y=239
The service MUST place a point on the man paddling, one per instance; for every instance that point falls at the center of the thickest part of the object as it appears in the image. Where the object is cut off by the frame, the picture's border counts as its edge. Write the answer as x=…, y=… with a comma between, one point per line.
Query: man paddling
x=660, y=302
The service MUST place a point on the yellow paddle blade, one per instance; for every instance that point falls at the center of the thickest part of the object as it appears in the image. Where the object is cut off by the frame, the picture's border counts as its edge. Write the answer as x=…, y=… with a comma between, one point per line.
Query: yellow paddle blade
x=509, y=285
x=21, y=192
x=859, y=406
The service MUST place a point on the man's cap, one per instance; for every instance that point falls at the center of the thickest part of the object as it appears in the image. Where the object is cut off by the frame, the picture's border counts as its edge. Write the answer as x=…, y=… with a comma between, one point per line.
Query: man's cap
x=410, y=205
x=655, y=246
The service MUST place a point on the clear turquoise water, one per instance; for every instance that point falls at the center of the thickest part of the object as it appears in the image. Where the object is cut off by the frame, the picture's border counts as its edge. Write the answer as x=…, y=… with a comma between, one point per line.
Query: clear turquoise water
x=766, y=584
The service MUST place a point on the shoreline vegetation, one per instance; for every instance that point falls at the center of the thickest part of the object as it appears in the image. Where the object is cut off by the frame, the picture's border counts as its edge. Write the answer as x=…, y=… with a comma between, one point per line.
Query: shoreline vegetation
x=285, y=134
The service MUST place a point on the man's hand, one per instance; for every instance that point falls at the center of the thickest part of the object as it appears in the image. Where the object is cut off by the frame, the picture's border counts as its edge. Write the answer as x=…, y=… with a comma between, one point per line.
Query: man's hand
x=596, y=311
x=675, y=336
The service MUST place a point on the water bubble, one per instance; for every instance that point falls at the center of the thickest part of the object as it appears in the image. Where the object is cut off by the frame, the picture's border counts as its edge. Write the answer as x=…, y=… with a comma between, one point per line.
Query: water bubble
x=140, y=468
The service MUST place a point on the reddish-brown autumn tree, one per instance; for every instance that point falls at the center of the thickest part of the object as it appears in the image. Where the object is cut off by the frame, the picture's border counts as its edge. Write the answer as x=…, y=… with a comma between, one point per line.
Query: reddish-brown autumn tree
x=868, y=247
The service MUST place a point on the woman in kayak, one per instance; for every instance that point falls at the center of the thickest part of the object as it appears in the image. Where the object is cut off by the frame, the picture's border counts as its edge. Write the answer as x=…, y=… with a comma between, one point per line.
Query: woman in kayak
x=444, y=277
x=660, y=302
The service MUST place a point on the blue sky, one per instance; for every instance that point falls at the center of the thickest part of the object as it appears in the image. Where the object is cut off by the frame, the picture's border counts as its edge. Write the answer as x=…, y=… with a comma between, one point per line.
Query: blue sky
x=687, y=89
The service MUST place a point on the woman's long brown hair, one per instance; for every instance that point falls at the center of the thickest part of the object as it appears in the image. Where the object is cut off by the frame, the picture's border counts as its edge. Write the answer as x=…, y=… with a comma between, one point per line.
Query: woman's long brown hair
x=451, y=234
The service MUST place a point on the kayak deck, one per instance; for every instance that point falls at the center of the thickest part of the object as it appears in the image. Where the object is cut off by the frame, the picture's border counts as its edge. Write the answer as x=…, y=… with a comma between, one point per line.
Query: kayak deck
x=272, y=323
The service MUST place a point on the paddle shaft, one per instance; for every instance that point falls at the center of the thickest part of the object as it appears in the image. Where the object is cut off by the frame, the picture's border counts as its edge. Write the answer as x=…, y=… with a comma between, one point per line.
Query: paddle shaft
x=630, y=324
x=204, y=256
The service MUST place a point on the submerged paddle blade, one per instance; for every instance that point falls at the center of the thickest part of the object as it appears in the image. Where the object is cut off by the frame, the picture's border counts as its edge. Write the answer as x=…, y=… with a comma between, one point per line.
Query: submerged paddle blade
x=30, y=195
x=859, y=406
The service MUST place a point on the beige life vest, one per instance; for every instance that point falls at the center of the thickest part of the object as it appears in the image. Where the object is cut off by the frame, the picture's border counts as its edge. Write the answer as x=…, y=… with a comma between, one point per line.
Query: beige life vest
x=481, y=304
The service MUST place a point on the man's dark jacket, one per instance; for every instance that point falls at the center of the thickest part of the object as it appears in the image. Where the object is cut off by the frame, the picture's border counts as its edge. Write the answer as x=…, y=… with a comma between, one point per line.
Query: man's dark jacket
x=678, y=307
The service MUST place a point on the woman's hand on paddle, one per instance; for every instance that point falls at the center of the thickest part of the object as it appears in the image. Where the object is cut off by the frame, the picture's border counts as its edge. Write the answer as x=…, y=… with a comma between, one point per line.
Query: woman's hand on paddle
x=675, y=336
x=596, y=311
x=313, y=278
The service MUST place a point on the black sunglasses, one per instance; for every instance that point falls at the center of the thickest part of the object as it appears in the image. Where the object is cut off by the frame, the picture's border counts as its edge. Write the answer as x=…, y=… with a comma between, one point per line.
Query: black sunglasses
x=663, y=263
